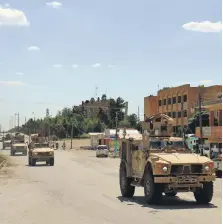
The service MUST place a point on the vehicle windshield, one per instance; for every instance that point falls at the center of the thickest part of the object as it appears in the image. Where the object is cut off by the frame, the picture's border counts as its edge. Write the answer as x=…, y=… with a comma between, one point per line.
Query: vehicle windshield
x=162, y=145
x=41, y=145
x=102, y=147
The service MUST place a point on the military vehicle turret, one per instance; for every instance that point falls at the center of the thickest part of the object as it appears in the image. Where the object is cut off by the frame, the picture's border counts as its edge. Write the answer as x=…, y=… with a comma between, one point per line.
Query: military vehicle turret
x=161, y=163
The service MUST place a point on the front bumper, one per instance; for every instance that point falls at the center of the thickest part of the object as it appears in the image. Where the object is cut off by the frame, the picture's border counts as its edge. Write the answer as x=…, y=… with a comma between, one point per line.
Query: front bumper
x=42, y=158
x=19, y=150
x=184, y=181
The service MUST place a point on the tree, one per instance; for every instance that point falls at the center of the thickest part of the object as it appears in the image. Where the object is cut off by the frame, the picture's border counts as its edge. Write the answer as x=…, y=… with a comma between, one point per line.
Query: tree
x=133, y=120
x=124, y=124
x=104, y=97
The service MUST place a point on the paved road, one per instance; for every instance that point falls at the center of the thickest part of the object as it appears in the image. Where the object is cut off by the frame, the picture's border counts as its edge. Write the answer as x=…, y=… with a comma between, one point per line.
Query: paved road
x=81, y=188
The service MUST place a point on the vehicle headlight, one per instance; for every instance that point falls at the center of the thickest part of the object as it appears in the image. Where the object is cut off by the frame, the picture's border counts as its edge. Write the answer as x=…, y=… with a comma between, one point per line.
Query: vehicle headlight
x=51, y=153
x=35, y=153
x=165, y=169
x=206, y=168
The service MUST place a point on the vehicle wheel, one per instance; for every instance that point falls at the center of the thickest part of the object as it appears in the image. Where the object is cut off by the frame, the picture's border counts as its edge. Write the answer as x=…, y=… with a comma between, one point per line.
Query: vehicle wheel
x=125, y=183
x=204, y=195
x=30, y=162
x=219, y=174
x=33, y=162
x=171, y=194
x=152, y=191
x=52, y=162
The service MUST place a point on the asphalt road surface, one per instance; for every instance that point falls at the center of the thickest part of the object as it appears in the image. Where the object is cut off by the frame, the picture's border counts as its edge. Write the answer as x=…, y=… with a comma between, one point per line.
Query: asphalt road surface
x=81, y=188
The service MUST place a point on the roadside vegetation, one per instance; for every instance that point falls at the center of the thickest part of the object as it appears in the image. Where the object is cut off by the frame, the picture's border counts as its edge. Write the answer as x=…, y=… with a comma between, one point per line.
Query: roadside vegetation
x=61, y=124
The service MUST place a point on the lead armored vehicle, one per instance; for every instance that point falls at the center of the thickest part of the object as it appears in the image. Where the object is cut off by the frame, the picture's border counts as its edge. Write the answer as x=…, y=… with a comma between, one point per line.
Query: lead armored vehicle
x=40, y=151
x=161, y=163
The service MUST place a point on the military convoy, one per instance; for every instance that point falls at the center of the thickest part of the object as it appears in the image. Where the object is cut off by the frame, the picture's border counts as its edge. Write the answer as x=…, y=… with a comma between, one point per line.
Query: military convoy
x=162, y=163
x=40, y=151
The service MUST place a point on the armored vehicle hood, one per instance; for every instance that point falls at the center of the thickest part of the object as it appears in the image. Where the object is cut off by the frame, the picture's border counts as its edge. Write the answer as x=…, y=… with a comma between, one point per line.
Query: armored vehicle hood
x=43, y=150
x=180, y=158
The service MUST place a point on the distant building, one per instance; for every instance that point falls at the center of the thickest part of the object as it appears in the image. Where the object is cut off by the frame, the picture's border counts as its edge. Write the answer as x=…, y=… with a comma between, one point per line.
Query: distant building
x=91, y=107
x=179, y=102
x=213, y=133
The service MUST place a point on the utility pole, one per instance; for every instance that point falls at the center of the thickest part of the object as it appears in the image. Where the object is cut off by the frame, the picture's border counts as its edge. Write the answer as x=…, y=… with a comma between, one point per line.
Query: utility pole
x=200, y=122
x=17, y=114
x=182, y=115
x=116, y=133
x=71, y=135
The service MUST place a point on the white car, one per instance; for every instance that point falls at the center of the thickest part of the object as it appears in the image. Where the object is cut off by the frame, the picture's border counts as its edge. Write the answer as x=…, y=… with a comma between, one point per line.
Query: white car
x=102, y=151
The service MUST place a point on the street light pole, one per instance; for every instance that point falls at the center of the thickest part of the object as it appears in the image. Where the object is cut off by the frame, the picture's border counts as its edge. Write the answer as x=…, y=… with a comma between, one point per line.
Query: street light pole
x=71, y=135
x=200, y=123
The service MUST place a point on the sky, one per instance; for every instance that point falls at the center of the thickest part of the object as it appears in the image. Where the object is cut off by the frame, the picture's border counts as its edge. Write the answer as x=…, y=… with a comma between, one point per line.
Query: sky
x=54, y=54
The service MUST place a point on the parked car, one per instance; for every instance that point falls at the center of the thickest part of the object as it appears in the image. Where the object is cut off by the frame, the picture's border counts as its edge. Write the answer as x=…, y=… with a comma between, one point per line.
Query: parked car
x=102, y=151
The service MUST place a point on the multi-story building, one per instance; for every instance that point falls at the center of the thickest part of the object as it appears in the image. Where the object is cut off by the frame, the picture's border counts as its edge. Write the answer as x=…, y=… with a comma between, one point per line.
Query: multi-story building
x=179, y=102
x=213, y=133
x=91, y=107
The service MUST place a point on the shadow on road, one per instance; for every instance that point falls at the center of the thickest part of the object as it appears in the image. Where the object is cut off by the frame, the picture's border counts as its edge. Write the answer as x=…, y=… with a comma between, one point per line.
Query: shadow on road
x=167, y=203
x=38, y=165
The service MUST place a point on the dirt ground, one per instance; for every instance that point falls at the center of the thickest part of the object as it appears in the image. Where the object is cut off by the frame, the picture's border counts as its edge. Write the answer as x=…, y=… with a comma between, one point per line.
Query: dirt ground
x=76, y=143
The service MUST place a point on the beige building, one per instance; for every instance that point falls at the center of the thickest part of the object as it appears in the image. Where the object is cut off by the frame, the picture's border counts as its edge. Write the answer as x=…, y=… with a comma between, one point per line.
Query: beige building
x=179, y=102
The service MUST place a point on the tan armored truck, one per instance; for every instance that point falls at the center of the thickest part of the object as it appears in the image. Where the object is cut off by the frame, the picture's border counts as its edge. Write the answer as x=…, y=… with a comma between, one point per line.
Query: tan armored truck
x=40, y=151
x=161, y=164
x=19, y=145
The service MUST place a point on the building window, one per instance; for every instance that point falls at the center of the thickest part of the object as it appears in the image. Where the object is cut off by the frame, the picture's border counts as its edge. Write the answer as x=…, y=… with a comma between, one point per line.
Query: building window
x=179, y=99
x=185, y=98
x=169, y=101
x=185, y=113
x=174, y=114
x=164, y=102
x=169, y=114
x=160, y=102
x=179, y=114
x=174, y=100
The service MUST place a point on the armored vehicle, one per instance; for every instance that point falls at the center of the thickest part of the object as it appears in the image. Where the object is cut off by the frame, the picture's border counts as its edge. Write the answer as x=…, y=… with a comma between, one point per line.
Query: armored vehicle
x=18, y=145
x=162, y=163
x=40, y=151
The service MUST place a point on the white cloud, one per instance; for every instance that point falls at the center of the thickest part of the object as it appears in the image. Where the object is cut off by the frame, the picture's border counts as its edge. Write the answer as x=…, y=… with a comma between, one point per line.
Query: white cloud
x=75, y=66
x=12, y=17
x=12, y=83
x=206, y=81
x=20, y=73
x=33, y=48
x=111, y=66
x=205, y=27
x=96, y=65
x=57, y=66
x=54, y=5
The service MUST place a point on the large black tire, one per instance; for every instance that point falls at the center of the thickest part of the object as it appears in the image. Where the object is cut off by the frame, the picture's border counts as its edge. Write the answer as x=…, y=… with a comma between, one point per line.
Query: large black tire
x=52, y=162
x=152, y=191
x=33, y=162
x=204, y=195
x=171, y=194
x=219, y=174
x=125, y=183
